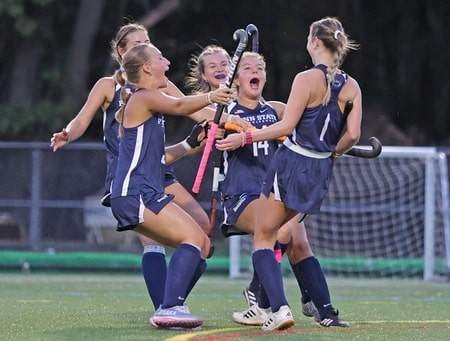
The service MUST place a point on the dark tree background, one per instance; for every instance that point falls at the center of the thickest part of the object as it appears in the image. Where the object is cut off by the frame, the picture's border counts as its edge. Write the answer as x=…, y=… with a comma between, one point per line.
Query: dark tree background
x=53, y=51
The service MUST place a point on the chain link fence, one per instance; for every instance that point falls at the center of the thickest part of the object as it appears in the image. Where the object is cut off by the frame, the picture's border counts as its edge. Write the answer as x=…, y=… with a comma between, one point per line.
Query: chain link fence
x=52, y=200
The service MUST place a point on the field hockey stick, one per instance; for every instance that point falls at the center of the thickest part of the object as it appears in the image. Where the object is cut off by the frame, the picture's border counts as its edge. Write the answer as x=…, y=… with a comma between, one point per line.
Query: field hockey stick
x=375, y=150
x=253, y=33
x=241, y=36
x=374, y=143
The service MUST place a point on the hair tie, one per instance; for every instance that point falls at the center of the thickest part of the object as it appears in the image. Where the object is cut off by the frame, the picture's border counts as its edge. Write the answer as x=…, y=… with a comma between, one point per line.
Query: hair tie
x=122, y=69
x=336, y=34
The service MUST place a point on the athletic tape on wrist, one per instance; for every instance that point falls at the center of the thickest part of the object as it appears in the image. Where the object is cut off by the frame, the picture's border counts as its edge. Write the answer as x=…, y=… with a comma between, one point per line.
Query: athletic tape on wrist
x=187, y=147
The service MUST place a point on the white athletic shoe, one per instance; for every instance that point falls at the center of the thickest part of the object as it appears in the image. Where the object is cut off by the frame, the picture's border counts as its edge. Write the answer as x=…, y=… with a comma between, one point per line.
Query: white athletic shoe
x=154, y=325
x=250, y=297
x=177, y=317
x=253, y=316
x=280, y=320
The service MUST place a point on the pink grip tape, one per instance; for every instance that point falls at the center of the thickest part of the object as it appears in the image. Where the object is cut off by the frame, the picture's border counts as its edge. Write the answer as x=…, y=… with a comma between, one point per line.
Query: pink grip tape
x=205, y=157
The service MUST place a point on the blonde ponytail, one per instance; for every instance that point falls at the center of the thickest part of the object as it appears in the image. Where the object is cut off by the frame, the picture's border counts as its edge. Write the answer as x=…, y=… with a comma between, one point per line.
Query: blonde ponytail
x=334, y=38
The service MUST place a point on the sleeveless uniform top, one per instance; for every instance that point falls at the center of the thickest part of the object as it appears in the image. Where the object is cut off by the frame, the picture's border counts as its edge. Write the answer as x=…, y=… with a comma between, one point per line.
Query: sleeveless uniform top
x=245, y=168
x=141, y=153
x=320, y=127
x=111, y=140
x=110, y=125
x=111, y=137
x=300, y=171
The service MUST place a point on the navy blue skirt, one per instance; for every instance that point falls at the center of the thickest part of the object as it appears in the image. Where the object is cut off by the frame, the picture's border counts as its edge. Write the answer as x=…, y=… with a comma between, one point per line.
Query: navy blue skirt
x=300, y=182
x=235, y=205
x=129, y=210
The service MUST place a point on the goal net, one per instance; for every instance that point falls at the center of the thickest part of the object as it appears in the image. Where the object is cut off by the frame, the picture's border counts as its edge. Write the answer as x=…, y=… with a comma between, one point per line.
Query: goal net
x=382, y=217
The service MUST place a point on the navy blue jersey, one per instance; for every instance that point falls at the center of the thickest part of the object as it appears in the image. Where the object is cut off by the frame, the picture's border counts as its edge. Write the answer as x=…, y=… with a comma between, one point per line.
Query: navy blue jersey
x=111, y=137
x=245, y=168
x=320, y=127
x=300, y=172
x=141, y=153
x=110, y=125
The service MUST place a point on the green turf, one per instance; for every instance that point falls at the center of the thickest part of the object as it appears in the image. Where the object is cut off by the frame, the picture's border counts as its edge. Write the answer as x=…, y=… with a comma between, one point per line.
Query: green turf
x=115, y=307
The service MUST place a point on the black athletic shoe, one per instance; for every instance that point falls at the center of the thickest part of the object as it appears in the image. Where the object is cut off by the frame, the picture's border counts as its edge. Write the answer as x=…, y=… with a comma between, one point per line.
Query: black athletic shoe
x=332, y=320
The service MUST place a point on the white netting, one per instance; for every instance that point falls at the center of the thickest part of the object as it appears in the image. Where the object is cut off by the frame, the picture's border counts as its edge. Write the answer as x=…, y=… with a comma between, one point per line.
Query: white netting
x=382, y=217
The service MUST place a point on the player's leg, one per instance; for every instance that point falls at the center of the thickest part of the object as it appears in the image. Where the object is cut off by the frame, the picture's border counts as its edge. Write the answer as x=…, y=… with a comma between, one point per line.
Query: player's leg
x=173, y=226
x=311, y=279
x=283, y=240
x=297, y=251
x=154, y=269
x=258, y=304
x=244, y=223
x=187, y=202
x=239, y=214
x=264, y=262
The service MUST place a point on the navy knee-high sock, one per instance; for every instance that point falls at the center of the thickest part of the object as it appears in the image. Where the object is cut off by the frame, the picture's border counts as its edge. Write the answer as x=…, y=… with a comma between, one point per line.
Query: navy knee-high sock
x=314, y=281
x=198, y=273
x=305, y=296
x=254, y=284
x=180, y=274
x=269, y=273
x=154, y=269
x=263, y=300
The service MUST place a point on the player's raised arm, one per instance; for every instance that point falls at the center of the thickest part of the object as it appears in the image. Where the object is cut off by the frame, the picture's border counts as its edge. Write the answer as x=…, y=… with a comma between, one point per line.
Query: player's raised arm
x=76, y=128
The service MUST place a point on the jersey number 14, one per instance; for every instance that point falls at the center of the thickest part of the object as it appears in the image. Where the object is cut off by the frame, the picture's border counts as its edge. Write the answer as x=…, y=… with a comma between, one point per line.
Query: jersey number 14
x=264, y=145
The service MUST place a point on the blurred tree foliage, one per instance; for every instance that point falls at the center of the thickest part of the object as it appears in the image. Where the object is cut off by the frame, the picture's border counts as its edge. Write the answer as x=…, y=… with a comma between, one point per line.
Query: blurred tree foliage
x=53, y=51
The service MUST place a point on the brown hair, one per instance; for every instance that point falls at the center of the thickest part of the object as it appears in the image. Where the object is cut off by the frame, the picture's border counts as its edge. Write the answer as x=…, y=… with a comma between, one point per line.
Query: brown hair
x=194, y=79
x=332, y=34
x=132, y=61
x=120, y=40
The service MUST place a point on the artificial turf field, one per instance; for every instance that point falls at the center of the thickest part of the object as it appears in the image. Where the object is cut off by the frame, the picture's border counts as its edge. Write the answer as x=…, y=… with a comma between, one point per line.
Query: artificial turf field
x=52, y=306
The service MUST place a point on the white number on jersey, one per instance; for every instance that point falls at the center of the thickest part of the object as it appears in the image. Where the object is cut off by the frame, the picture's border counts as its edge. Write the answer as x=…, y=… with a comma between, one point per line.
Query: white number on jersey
x=260, y=145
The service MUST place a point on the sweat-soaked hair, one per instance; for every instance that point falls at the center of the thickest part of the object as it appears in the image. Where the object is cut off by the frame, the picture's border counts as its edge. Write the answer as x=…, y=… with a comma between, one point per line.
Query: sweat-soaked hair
x=331, y=32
